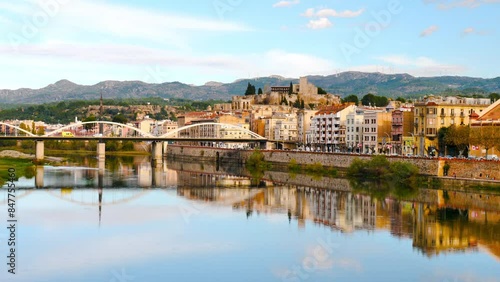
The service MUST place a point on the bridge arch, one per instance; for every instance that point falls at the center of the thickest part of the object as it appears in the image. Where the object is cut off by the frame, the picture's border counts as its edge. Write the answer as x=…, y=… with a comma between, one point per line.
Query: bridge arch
x=88, y=197
x=18, y=128
x=231, y=126
x=80, y=124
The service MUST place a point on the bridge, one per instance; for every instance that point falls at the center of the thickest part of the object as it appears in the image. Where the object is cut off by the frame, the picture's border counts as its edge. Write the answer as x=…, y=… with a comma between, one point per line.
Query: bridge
x=209, y=132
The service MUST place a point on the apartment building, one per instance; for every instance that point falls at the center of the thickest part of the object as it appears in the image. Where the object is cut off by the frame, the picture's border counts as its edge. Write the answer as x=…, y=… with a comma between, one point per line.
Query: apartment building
x=354, y=130
x=432, y=113
x=376, y=131
x=328, y=127
x=402, y=140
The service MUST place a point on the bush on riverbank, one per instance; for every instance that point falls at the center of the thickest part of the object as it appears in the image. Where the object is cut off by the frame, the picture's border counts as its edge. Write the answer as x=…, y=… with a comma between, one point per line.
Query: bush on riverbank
x=380, y=168
x=23, y=167
x=257, y=161
x=257, y=165
x=381, y=178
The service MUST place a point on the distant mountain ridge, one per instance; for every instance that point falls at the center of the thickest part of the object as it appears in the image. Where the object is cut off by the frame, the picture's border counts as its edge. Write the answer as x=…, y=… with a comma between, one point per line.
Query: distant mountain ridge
x=359, y=83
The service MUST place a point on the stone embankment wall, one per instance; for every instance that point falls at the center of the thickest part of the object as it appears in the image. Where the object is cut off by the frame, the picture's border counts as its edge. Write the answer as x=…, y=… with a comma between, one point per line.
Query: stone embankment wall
x=473, y=169
x=462, y=168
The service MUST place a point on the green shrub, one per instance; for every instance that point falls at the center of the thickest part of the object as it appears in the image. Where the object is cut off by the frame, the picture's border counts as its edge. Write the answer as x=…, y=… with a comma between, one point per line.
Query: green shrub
x=293, y=166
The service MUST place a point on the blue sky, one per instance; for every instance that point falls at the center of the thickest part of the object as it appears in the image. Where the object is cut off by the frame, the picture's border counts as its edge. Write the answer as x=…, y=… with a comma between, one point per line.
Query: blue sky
x=196, y=41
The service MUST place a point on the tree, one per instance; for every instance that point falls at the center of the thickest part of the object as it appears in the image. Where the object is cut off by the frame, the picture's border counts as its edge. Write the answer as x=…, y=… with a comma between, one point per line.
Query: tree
x=351, y=98
x=89, y=126
x=33, y=127
x=290, y=89
x=41, y=131
x=23, y=126
x=120, y=119
x=284, y=101
x=373, y=100
x=401, y=99
x=321, y=91
x=486, y=136
x=250, y=90
x=458, y=136
x=260, y=91
x=494, y=96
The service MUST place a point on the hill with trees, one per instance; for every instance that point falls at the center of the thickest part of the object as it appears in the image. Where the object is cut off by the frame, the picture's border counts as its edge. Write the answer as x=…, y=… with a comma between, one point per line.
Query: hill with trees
x=344, y=84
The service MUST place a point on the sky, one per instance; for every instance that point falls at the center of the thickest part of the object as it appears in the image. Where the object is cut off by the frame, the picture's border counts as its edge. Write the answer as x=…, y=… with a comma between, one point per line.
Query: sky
x=197, y=41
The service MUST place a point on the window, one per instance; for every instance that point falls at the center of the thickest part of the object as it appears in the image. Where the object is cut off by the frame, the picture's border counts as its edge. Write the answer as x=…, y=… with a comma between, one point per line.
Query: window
x=373, y=138
x=442, y=111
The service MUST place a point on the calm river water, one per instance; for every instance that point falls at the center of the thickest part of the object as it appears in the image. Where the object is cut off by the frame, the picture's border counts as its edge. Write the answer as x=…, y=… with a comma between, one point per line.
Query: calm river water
x=197, y=222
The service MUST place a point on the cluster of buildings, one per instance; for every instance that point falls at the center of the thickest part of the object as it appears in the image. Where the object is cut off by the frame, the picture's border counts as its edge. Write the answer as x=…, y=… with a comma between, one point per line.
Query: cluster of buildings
x=298, y=117
x=398, y=128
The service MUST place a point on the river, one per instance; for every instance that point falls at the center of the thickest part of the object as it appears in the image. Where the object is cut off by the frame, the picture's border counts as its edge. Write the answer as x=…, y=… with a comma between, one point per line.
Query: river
x=197, y=222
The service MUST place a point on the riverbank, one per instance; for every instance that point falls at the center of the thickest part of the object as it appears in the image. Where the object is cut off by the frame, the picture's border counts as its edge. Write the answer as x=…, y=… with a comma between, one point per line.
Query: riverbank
x=11, y=154
x=463, y=169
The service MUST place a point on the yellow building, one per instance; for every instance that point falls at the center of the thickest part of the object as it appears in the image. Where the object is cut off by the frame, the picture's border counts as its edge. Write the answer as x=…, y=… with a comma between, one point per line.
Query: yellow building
x=435, y=112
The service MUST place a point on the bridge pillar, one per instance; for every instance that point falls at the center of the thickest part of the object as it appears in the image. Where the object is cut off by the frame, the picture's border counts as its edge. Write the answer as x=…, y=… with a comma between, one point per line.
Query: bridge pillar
x=39, y=150
x=39, y=173
x=157, y=151
x=101, y=166
x=101, y=151
x=263, y=145
x=165, y=144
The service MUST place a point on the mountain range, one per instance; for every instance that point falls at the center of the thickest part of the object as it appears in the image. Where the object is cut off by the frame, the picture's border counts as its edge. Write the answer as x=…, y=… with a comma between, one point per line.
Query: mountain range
x=346, y=83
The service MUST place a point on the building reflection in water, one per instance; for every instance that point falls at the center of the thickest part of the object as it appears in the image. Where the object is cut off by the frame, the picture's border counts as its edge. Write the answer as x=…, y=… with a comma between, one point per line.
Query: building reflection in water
x=437, y=221
x=433, y=226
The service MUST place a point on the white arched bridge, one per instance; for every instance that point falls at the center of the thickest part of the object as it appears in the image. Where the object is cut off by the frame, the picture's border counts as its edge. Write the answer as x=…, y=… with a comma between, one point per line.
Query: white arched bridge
x=208, y=133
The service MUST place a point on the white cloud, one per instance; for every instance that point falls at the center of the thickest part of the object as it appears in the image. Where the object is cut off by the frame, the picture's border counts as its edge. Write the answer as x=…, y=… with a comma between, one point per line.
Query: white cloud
x=308, y=13
x=471, y=4
x=341, y=14
x=419, y=66
x=472, y=31
x=294, y=64
x=320, y=23
x=97, y=19
x=332, y=13
x=91, y=63
x=468, y=30
x=285, y=3
x=428, y=31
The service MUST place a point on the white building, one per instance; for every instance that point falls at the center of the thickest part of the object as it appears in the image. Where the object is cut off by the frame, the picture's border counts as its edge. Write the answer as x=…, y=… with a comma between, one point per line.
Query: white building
x=354, y=130
x=328, y=127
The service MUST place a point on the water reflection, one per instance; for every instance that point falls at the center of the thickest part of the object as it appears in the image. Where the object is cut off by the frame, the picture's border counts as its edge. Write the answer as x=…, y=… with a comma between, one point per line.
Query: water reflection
x=231, y=221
